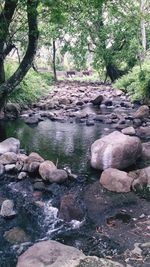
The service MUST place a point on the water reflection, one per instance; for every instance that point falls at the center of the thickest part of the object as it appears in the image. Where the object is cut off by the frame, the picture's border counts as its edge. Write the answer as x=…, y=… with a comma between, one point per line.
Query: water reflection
x=67, y=143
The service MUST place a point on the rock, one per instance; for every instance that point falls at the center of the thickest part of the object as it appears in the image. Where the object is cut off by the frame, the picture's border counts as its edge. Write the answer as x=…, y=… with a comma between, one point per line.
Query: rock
x=98, y=100
x=8, y=158
x=46, y=168
x=33, y=167
x=93, y=261
x=50, y=254
x=115, y=150
x=137, y=122
x=12, y=110
x=9, y=145
x=146, y=151
x=7, y=209
x=70, y=208
x=142, y=112
x=90, y=122
x=39, y=185
x=10, y=167
x=129, y=131
x=143, y=132
x=16, y=235
x=22, y=175
x=141, y=178
x=34, y=119
x=32, y=162
x=34, y=157
x=2, y=169
x=57, y=176
x=116, y=181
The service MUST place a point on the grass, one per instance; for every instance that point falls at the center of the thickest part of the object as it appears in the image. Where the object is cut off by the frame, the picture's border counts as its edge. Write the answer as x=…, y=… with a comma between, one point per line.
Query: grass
x=34, y=85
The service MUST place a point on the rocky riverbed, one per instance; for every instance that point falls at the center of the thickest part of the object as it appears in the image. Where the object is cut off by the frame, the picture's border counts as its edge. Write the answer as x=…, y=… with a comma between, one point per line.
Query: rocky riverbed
x=48, y=189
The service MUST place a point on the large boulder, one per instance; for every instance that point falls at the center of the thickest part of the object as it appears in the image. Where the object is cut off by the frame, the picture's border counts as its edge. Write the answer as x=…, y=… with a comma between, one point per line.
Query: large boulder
x=9, y=145
x=116, y=181
x=46, y=168
x=115, y=150
x=54, y=254
x=50, y=254
x=142, y=112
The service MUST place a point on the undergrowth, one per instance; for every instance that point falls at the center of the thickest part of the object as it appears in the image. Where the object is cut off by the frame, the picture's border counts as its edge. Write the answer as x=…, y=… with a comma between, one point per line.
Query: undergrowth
x=34, y=86
x=136, y=83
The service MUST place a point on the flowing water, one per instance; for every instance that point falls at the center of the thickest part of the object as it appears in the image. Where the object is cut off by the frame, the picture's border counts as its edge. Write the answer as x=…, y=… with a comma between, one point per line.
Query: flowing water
x=68, y=145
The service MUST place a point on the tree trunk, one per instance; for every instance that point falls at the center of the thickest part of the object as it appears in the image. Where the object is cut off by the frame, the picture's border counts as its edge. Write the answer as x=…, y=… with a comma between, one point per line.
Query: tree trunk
x=5, y=20
x=113, y=72
x=54, y=60
x=143, y=28
x=8, y=86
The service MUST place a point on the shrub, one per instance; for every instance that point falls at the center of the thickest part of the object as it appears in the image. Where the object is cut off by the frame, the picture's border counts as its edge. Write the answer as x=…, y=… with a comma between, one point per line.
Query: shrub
x=136, y=83
x=34, y=86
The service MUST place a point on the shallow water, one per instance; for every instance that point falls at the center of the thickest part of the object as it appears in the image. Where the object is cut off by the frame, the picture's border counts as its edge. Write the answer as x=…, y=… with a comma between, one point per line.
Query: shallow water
x=68, y=145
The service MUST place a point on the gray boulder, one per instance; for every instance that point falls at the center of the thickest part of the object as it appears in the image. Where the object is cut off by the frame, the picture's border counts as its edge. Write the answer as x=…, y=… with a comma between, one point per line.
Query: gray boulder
x=115, y=150
x=9, y=145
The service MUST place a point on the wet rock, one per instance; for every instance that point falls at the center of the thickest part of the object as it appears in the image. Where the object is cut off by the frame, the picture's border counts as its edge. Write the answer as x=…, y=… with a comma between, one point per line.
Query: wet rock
x=90, y=122
x=92, y=261
x=70, y=208
x=2, y=169
x=57, y=176
x=50, y=253
x=116, y=181
x=22, y=175
x=46, y=168
x=16, y=235
x=39, y=185
x=8, y=158
x=142, y=112
x=98, y=100
x=129, y=131
x=7, y=209
x=9, y=145
x=34, y=119
x=10, y=167
x=12, y=110
x=115, y=150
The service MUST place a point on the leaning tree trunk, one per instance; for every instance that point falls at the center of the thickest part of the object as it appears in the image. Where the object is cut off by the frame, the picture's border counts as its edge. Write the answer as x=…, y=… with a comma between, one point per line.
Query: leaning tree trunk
x=8, y=86
x=5, y=20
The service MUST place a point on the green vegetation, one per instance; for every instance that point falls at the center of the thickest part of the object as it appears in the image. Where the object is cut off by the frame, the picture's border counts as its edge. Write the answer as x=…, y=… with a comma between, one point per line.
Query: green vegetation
x=34, y=85
x=136, y=83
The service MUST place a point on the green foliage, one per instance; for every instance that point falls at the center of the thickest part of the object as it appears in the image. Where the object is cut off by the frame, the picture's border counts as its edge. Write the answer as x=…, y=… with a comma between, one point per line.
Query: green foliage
x=34, y=86
x=136, y=83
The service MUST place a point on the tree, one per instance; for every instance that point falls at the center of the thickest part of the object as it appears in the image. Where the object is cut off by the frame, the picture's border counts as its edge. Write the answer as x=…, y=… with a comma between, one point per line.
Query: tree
x=8, y=9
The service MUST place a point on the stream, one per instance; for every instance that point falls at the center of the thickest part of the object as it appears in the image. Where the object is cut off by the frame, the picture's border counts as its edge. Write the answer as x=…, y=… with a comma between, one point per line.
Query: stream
x=68, y=145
